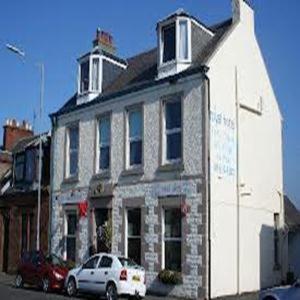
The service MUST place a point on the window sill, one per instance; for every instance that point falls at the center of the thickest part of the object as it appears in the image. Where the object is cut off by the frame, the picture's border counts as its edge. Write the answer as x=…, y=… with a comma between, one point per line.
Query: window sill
x=102, y=175
x=134, y=171
x=71, y=179
x=171, y=167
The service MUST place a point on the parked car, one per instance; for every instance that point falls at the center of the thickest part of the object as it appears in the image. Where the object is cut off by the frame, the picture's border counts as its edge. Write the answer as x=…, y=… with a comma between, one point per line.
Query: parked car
x=282, y=293
x=47, y=272
x=107, y=275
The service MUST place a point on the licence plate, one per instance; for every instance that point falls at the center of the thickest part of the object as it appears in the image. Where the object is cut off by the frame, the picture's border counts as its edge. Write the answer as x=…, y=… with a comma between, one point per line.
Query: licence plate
x=136, y=278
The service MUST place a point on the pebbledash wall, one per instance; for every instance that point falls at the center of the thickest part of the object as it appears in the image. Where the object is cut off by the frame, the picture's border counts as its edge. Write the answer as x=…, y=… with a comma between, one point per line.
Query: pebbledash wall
x=154, y=188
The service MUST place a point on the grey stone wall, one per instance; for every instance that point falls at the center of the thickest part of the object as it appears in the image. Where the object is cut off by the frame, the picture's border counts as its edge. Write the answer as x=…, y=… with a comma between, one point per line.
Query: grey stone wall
x=152, y=185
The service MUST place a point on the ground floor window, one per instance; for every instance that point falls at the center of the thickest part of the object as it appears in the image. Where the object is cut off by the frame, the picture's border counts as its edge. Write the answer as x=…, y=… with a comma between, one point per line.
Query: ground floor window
x=133, y=241
x=172, y=239
x=70, y=239
x=27, y=238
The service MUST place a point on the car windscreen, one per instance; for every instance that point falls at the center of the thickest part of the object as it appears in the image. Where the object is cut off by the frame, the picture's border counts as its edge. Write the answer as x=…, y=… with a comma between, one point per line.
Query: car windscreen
x=55, y=260
x=129, y=263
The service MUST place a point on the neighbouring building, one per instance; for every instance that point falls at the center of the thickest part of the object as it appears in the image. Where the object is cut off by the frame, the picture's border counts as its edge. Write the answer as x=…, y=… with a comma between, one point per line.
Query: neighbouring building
x=292, y=221
x=180, y=149
x=12, y=132
x=19, y=197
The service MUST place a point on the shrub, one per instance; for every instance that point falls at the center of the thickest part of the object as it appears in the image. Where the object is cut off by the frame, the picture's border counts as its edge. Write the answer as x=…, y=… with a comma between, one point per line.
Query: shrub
x=170, y=277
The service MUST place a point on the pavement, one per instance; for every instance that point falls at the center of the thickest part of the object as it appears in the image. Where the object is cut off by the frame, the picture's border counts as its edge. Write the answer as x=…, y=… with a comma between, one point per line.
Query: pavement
x=9, y=292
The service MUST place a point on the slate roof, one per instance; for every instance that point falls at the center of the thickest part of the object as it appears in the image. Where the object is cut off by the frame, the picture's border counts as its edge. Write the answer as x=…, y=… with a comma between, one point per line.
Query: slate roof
x=142, y=71
x=292, y=214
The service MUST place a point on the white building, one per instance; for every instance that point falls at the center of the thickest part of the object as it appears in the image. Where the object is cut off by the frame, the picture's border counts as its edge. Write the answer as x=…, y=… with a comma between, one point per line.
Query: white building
x=180, y=147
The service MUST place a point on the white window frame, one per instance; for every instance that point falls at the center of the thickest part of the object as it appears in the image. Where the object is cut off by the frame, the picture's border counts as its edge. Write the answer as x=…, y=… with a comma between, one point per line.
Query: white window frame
x=166, y=131
x=90, y=59
x=98, y=147
x=68, y=211
x=163, y=239
x=138, y=107
x=68, y=151
x=126, y=229
x=177, y=59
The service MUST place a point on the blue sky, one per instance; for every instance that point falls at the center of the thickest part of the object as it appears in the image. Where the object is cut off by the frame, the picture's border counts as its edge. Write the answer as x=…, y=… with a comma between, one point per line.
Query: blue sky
x=57, y=32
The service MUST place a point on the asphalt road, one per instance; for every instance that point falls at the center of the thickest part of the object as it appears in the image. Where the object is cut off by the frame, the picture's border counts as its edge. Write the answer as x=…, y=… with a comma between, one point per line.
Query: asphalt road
x=9, y=292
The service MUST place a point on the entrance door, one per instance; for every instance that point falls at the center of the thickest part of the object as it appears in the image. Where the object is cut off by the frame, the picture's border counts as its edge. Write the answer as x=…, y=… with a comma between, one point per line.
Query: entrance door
x=101, y=217
x=6, y=220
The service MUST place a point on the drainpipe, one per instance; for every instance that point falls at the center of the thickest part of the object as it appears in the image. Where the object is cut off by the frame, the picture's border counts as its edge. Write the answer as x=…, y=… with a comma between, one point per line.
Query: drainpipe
x=53, y=123
x=207, y=178
x=237, y=181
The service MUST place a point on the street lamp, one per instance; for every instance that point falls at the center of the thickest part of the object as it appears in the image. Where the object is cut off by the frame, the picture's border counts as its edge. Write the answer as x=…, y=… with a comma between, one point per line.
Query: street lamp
x=21, y=53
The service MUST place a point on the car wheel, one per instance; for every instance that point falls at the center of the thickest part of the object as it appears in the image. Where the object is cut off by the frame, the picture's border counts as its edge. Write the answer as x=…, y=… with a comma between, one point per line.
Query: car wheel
x=46, y=285
x=19, y=281
x=111, y=292
x=71, y=287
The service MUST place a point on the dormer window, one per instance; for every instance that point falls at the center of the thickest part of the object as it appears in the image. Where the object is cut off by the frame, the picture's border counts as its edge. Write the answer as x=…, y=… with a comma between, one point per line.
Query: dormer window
x=175, y=49
x=169, y=42
x=84, y=76
x=98, y=68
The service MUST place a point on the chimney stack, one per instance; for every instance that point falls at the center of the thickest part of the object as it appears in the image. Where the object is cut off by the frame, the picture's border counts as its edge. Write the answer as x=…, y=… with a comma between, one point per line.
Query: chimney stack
x=13, y=131
x=104, y=41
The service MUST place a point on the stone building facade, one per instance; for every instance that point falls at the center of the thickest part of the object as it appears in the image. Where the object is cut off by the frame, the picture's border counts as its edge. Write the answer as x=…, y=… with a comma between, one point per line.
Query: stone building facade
x=162, y=148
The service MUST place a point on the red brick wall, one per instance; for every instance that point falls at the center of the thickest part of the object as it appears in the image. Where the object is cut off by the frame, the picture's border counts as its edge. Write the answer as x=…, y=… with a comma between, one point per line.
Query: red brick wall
x=15, y=231
x=12, y=133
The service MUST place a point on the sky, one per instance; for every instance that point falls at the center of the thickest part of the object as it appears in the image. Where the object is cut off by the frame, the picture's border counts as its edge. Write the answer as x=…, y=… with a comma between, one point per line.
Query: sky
x=57, y=32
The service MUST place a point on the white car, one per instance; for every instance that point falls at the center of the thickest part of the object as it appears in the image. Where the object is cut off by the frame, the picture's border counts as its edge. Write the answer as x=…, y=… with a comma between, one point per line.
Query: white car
x=109, y=275
x=282, y=293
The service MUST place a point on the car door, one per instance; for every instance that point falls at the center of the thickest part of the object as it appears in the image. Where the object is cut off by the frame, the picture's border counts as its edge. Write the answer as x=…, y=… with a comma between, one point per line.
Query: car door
x=86, y=275
x=103, y=273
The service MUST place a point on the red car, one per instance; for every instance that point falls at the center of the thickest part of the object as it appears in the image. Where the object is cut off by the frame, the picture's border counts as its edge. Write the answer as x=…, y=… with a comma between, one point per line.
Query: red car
x=47, y=272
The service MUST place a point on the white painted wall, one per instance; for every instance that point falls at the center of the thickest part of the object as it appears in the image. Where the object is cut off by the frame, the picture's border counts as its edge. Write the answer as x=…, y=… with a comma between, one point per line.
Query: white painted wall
x=237, y=72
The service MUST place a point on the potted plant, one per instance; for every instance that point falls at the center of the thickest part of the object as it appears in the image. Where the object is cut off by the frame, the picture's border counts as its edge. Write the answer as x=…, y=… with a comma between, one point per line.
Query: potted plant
x=170, y=277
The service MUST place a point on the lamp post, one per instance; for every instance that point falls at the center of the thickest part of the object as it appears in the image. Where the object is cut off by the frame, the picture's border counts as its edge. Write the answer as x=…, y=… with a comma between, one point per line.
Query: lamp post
x=21, y=53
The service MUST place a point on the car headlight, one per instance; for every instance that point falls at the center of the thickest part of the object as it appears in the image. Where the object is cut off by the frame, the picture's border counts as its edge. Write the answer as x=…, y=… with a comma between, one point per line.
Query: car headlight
x=57, y=275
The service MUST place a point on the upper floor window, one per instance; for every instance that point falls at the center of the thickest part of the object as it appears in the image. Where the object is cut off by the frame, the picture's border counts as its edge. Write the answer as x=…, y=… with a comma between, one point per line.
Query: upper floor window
x=175, y=41
x=84, y=76
x=104, y=143
x=95, y=74
x=169, y=42
x=30, y=169
x=172, y=130
x=19, y=167
x=135, y=136
x=72, y=151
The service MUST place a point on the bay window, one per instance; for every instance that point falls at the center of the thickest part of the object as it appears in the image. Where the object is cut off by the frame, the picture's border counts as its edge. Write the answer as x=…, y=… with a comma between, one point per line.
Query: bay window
x=104, y=132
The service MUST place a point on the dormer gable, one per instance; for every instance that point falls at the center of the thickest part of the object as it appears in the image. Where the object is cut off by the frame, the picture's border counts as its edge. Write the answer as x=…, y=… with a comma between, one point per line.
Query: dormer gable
x=98, y=68
x=179, y=36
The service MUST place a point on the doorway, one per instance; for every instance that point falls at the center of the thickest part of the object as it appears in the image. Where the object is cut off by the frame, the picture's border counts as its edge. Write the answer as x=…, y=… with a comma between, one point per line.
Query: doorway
x=102, y=217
